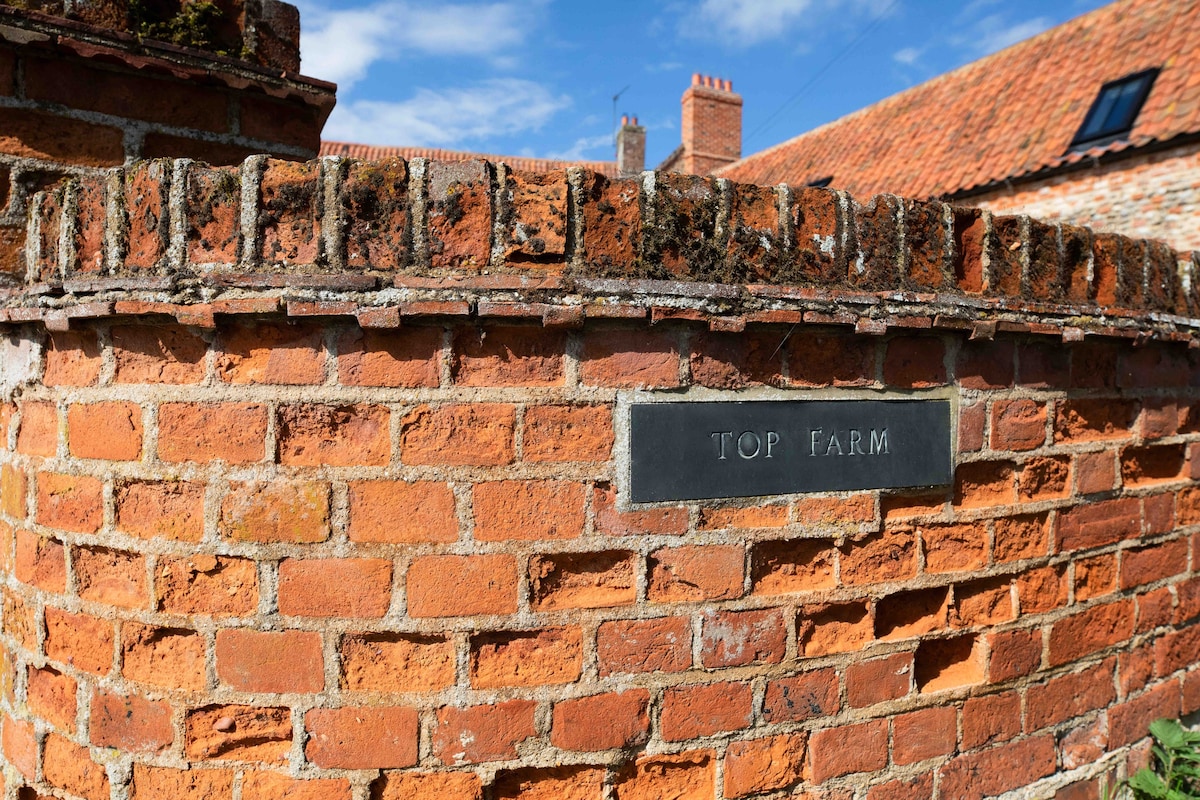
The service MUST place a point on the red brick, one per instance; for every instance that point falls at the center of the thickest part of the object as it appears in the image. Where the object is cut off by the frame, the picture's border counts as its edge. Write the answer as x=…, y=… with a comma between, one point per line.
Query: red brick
x=166, y=354
x=375, y=204
x=13, y=491
x=815, y=359
x=915, y=363
x=243, y=733
x=361, y=737
x=20, y=619
x=130, y=723
x=279, y=511
x=289, y=223
x=1177, y=650
x=972, y=417
x=739, y=638
x=850, y=748
x=51, y=696
x=985, y=365
x=291, y=123
x=110, y=576
x=49, y=137
x=206, y=584
x=644, y=645
x=70, y=767
x=736, y=360
x=583, y=580
x=1044, y=366
x=267, y=661
x=627, y=523
x=1094, y=629
x=461, y=434
x=1147, y=564
x=417, y=786
x=878, y=680
x=995, y=771
x=73, y=358
x=1043, y=589
x=1098, y=524
x=508, y=356
x=563, y=783
x=567, y=433
x=602, y=722
x=907, y=614
x=1141, y=466
x=408, y=357
x=769, y=516
x=340, y=436
x=833, y=628
x=489, y=732
x=1154, y=608
x=686, y=574
x=203, y=432
x=81, y=641
x=685, y=776
x=40, y=561
x=924, y=734
x=1158, y=512
x=274, y=786
x=801, y=697
x=528, y=510
x=1156, y=364
x=889, y=555
x=1018, y=538
x=484, y=584
x=630, y=359
x=1069, y=696
x=147, y=195
x=954, y=548
x=763, y=765
x=335, y=587
x=387, y=662
x=1191, y=693
x=794, y=565
x=1045, y=478
x=150, y=783
x=1018, y=424
x=168, y=657
x=990, y=719
x=918, y=788
x=526, y=658
x=1095, y=577
x=286, y=353
x=949, y=663
x=704, y=709
x=402, y=513
x=1135, y=669
x=70, y=502
x=169, y=509
x=1087, y=419
x=20, y=746
x=38, y=434
x=981, y=484
x=1130, y=721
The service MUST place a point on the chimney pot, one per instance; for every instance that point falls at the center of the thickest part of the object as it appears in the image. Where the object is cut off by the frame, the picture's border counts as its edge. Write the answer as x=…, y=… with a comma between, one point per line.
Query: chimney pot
x=624, y=120
x=696, y=79
x=708, y=81
x=635, y=122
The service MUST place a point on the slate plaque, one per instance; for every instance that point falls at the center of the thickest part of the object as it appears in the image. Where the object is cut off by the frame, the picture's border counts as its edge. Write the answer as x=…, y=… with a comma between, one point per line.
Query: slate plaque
x=699, y=450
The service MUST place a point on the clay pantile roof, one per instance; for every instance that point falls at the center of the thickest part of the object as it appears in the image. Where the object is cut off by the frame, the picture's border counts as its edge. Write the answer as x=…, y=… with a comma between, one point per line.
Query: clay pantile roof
x=370, y=152
x=1009, y=115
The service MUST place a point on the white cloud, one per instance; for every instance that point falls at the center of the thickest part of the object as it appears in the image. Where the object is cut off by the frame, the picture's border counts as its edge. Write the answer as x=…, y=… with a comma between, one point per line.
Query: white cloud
x=907, y=56
x=994, y=33
x=341, y=45
x=587, y=148
x=741, y=23
x=447, y=118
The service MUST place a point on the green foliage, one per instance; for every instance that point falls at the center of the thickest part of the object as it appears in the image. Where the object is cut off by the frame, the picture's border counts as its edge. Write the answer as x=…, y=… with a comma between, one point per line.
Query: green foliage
x=194, y=25
x=1175, y=771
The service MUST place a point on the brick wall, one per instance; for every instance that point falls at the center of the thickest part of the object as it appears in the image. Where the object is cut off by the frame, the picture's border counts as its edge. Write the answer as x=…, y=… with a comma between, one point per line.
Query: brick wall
x=1150, y=195
x=76, y=96
x=316, y=491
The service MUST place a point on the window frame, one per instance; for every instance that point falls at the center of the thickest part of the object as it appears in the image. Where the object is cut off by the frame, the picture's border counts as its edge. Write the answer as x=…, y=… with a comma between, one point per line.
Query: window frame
x=1113, y=133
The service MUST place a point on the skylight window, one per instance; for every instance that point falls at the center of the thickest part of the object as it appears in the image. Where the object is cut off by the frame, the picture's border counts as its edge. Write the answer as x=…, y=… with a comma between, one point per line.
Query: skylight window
x=1114, y=111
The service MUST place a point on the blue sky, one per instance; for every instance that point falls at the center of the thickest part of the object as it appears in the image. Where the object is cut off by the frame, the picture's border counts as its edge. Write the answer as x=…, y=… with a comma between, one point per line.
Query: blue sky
x=537, y=77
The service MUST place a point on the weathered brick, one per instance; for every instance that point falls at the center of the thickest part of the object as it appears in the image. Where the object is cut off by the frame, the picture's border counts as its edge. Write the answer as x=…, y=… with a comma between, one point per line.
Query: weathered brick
x=1093, y=629
x=458, y=434
x=386, y=662
x=279, y=511
x=644, y=645
x=983, y=602
x=738, y=638
x=954, y=548
x=375, y=203
x=157, y=354
x=361, y=737
x=72, y=358
x=848, y=749
x=1044, y=478
x=767, y=516
x=1069, y=696
x=168, y=509
x=682, y=574
x=340, y=436
x=567, y=783
x=70, y=767
x=556, y=433
x=130, y=723
x=408, y=357
x=1018, y=424
x=949, y=663
x=878, y=680
x=833, y=628
x=485, y=584
x=583, y=580
x=1089, y=420
x=203, y=432
x=995, y=771
x=704, y=709
x=889, y=555
x=207, y=584
x=51, y=696
x=418, y=785
x=112, y=577
x=38, y=434
x=40, y=561
x=1021, y=537
x=270, y=661
x=807, y=695
x=762, y=765
x=70, y=502
x=274, y=786
x=166, y=657
x=460, y=214
x=628, y=523
x=601, y=722
x=508, y=356
x=622, y=358
x=20, y=746
x=194, y=784
x=14, y=489
x=686, y=776
x=289, y=223
x=288, y=353
x=1141, y=466
x=794, y=565
x=912, y=613
x=489, y=732
x=526, y=658
x=335, y=587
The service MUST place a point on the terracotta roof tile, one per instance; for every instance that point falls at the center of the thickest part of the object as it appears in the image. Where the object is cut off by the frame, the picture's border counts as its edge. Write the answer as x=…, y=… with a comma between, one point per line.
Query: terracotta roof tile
x=1010, y=114
x=369, y=152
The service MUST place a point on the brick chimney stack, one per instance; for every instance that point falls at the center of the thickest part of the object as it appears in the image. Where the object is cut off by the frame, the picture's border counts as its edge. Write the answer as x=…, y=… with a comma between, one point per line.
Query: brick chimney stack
x=631, y=147
x=712, y=125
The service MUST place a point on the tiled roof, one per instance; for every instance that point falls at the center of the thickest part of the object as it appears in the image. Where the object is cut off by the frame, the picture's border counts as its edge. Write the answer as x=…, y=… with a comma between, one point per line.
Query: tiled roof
x=369, y=152
x=1011, y=114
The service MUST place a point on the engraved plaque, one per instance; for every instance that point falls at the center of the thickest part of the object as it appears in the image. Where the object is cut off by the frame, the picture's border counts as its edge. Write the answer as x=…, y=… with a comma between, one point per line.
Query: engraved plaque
x=702, y=450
